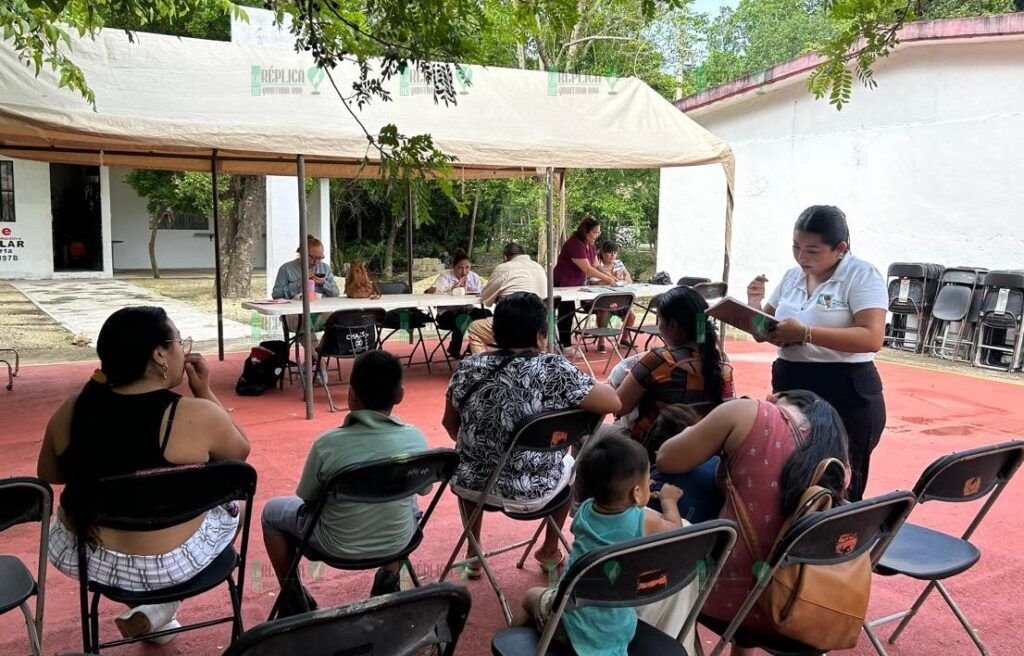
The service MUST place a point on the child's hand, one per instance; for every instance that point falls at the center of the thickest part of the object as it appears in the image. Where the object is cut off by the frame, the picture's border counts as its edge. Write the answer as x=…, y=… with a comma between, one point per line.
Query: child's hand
x=669, y=494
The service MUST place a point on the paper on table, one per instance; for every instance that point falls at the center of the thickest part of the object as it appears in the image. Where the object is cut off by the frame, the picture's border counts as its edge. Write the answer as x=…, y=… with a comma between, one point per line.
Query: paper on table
x=270, y=301
x=746, y=318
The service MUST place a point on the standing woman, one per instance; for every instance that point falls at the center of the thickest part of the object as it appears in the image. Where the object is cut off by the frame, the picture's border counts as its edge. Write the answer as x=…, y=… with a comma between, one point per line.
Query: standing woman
x=832, y=322
x=576, y=264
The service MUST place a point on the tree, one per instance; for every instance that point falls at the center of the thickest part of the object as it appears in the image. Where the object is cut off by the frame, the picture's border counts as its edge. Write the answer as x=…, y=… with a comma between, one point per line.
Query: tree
x=168, y=194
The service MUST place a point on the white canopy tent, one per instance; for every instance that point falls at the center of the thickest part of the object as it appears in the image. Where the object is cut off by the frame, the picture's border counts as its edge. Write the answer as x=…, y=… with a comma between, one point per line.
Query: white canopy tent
x=187, y=104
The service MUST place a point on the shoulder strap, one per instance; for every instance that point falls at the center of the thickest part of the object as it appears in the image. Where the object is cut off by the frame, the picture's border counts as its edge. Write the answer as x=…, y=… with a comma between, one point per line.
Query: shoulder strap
x=491, y=374
x=170, y=423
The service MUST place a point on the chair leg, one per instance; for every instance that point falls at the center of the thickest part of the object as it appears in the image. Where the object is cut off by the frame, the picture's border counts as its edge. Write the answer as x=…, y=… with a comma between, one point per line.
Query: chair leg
x=30, y=624
x=94, y=621
x=529, y=545
x=236, y=611
x=492, y=579
x=963, y=618
x=910, y=613
x=412, y=573
x=875, y=642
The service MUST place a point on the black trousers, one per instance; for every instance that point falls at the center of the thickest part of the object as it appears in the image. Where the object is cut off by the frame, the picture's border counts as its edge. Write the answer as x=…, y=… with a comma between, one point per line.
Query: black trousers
x=566, y=313
x=855, y=391
x=450, y=320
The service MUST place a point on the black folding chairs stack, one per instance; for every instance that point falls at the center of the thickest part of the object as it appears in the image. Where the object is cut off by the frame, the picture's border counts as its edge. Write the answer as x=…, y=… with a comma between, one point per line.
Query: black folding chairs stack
x=912, y=290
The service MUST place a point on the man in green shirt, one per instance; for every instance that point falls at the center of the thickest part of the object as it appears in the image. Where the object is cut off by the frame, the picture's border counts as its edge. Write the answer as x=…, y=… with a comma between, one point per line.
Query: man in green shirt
x=350, y=530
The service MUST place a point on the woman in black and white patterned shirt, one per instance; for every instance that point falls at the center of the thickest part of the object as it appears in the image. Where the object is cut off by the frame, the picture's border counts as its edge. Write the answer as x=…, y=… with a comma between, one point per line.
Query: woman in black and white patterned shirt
x=481, y=420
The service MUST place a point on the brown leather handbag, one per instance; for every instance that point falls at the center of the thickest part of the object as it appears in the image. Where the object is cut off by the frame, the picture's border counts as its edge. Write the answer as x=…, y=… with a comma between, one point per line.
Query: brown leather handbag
x=820, y=605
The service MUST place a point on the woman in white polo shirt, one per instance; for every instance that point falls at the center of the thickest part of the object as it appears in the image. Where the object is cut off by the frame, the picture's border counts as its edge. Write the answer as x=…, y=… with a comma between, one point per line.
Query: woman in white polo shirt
x=832, y=321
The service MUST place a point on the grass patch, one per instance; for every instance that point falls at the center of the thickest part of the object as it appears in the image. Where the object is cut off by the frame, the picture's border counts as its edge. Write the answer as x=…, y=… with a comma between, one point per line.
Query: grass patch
x=25, y=327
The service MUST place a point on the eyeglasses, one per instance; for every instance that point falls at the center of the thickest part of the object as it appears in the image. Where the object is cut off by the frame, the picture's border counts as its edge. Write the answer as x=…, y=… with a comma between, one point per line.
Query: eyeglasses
x=316, y=258
x=186, y=344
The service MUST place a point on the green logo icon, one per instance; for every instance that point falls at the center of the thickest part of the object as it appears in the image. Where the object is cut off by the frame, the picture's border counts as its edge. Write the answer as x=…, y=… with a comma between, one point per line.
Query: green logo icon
x=403, y=81
x=464, y=75
x=257, y=80
x=552, y=82
x=612, y=570
x=612, y=78
x=316, y=76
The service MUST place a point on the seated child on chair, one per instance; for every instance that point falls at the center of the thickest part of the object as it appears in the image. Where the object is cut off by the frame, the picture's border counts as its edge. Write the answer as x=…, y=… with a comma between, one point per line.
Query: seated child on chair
x=614, y=471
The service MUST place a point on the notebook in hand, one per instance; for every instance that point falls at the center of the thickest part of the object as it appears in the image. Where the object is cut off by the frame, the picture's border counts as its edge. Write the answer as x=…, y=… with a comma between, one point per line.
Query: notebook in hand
x=745, y=317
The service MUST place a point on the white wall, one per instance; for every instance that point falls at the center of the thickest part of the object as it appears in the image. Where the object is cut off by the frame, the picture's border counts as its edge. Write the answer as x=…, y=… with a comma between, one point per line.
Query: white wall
x=175, y=249
x=927, y=167
x=33, y=222
x=283, y=221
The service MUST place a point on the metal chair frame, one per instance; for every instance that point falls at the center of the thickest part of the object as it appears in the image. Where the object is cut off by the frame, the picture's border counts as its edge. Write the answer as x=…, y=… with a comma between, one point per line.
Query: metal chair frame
x=582, y=333
x=899, y=327
x=960, y=347
x=44, y=494
x=996, y=282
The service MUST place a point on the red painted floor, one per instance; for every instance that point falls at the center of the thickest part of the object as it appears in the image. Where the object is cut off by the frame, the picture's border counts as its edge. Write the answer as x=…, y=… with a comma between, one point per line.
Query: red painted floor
x=930, y=414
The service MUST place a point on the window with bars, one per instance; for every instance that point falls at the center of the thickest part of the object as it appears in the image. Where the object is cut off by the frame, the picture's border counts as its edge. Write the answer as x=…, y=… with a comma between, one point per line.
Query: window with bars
x=7, y=191
x=182, y=221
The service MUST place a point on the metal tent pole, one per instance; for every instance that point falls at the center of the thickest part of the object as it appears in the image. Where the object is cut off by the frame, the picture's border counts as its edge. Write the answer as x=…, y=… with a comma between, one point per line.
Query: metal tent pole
x=410, y=212
x=216, y=257
x=552, y=324
x=307, y=325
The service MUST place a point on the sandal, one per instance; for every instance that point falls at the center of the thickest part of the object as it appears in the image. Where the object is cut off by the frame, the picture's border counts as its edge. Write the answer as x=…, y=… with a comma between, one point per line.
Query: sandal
x=474, y=571
x=548, y=566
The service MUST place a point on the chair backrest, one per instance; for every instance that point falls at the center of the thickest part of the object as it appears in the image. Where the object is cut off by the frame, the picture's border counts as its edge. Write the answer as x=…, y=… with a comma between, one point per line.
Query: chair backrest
x=612, y=302
x=712, y=290
x=24, y=499
x=690, y=281
x=390, y=479
x=970, y=475
x=953, y=303
x=351, y=332
x=160, y=498
x=393, y=288
x=646, y=570
x=969, y=276
x=401, y=624
x=843, y=533
x=554, y=430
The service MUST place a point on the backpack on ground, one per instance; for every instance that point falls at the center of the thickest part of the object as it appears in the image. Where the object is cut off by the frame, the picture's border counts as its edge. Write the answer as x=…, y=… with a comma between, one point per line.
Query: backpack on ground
x=262, y=370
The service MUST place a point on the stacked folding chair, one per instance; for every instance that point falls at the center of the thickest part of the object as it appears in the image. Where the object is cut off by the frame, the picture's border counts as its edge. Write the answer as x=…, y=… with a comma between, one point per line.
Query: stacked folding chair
x=955, y=313
x=912, y=290
x=1000, y=334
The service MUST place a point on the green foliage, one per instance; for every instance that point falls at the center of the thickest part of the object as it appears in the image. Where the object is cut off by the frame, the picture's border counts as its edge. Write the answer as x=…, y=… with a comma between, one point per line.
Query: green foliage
x=186, y=193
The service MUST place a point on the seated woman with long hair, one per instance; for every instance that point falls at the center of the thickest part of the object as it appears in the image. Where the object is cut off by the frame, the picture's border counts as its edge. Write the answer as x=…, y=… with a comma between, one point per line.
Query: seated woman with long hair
x=127, y=419
x=770, y=450
x=689, y=369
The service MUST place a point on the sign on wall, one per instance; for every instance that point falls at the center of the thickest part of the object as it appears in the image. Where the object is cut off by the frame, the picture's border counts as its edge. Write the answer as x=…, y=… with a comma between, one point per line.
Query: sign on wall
x=12, y=246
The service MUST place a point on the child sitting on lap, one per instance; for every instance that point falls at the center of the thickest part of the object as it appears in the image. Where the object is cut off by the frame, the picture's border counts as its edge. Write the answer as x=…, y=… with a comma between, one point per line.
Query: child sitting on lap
x=614, y=471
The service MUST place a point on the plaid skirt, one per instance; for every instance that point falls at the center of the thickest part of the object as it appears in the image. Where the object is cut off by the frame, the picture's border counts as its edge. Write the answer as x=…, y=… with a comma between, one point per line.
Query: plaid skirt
x=145, y=573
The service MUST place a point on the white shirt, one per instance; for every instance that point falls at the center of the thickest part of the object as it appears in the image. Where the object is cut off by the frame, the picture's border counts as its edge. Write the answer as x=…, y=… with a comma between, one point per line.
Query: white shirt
x=854, y=286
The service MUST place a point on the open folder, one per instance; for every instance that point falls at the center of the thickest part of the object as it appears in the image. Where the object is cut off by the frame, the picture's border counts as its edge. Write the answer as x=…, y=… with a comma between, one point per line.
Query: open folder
x=745, y=317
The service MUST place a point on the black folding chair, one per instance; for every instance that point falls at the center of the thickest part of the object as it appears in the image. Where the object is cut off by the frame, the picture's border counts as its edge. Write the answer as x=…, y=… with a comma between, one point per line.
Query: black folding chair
x=555, y=430
x=912, y=289
x=957, y=306
x=690, y=281
x=650, y=569
x=409, y=319
x=157, y=499
x=929, y=555
x=347, y=333
x=1000, y=338
x=378, y=481
x=642, y=328
x=25, y=499
x=613, y=303
x=445, y=324
x=12, y=372
x=813, y=540
x=406, y=623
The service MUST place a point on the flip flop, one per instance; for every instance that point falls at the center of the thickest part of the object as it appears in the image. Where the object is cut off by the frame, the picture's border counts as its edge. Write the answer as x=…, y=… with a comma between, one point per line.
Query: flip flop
x=474, y=572
x=547, y=566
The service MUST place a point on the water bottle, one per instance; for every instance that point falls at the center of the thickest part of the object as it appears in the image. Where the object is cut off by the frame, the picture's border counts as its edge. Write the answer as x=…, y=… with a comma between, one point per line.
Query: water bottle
x=256, y=323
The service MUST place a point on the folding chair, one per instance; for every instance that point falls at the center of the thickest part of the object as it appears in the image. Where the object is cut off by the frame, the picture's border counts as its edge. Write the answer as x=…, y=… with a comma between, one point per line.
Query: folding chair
x=378, y=481
x=22, y=500
x=554, y=430
x=347, y=333
x=650, y=569
x=956, y=307
x=467, y=315
x=912, y=289
x=160, y=498
x=642, y=328
x=690, y=281
x=712, y=291
x=929, y=555
x=407, y=623
x=814, y=540
x=612, y=303
x=1000, y=332
x=410, y=319
x=12, y=372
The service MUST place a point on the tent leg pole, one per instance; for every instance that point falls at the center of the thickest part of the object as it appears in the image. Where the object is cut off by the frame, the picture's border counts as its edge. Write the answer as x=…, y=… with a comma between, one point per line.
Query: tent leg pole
x=307, y=325
x=216, y=258
x=552, y=323
x=410, y=212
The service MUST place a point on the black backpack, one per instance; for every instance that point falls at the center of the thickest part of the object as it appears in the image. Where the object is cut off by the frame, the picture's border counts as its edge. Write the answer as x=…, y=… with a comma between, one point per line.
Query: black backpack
x=262, y=369
x=660, y=278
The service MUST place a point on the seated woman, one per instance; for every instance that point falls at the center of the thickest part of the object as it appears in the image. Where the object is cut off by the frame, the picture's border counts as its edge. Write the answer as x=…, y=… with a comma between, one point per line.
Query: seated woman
x=457, y=319
x=701, y=500
x=608, y=262
x=124, y=420
x=491, y=392
x=689, y=369
x=770, y=450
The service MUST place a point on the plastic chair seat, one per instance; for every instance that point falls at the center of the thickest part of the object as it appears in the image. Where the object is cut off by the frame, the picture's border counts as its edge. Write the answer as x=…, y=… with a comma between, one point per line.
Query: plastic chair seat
x=773, y=644
x=600, y=332
x=551, y=506
x=523, y=641
x=212, y=575
x=364, y=563
x=952, y=303
x=926, y=554
x=647, y=330
x=999, y=320
x=16, y=583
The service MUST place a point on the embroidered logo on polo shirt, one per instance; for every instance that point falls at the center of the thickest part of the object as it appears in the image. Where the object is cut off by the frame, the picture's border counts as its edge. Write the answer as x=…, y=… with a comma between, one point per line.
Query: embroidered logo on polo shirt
x=831, y=302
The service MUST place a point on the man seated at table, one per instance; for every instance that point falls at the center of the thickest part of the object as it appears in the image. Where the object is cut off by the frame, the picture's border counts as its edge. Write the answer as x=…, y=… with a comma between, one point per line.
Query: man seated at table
x=518, y=273
x=291, y=283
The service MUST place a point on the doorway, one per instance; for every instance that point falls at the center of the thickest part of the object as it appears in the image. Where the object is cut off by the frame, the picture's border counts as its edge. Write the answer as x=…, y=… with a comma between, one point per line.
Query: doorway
x=77, y=217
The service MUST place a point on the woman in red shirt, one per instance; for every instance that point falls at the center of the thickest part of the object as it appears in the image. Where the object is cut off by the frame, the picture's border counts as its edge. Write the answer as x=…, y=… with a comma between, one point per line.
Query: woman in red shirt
x=574, y=267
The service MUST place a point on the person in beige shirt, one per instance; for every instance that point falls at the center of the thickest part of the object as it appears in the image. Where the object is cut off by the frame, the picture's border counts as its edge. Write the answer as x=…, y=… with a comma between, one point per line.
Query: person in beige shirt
x=518, y=273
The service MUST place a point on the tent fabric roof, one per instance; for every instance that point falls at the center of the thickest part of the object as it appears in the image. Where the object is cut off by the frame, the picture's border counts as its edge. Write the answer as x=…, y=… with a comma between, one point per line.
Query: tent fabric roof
x=167, y=103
